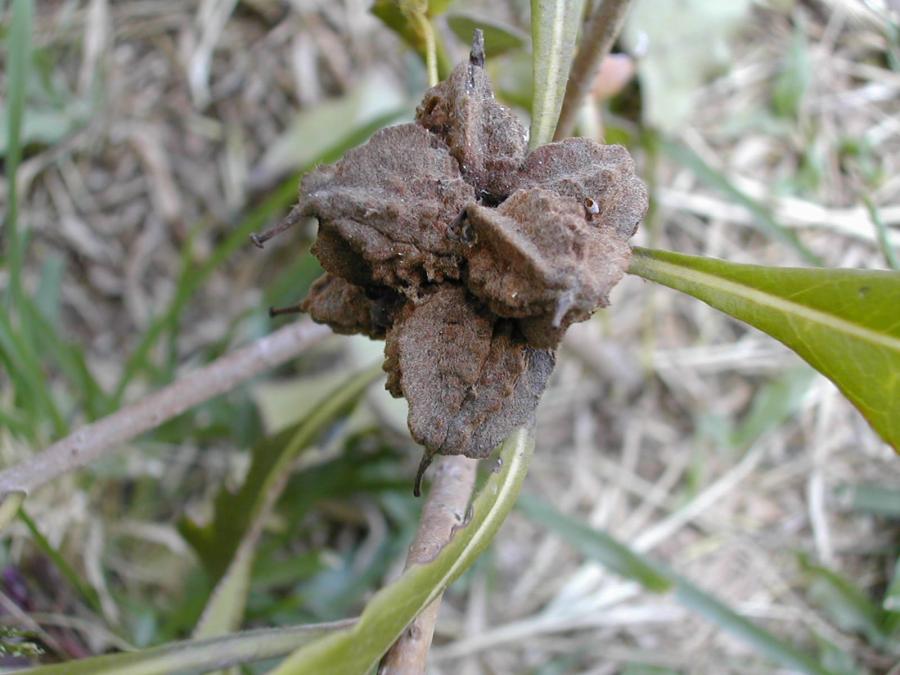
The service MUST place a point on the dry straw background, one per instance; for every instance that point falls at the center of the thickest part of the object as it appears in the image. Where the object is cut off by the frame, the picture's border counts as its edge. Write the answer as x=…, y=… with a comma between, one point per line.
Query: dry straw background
x=175, y=119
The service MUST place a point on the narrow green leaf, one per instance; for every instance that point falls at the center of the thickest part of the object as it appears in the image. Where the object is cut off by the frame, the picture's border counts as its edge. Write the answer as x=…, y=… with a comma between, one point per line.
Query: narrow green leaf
x=631, y=564
x=235, y=513
x=355, y=651
x=843, y=322
x=876, y=499
x=715, y=179
x=86, y=591
x=881, y=231
x=776, y=402
x=597, y=545
x=891, y=602
x=192, y=656
x=554, y=32
x=499, y=38
x=18, y=59
x=848, y=606
x=9, y=507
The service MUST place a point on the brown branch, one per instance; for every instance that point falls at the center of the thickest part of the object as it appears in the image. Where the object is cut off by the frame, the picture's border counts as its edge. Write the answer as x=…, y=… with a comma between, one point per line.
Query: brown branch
x=443, y=511
x=598, y=38
x=100, y=437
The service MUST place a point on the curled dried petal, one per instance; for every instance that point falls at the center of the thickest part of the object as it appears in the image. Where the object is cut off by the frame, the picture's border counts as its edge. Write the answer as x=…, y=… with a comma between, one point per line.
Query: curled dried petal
x=540, y=259
x=467, y=379
x=350, y=309
x=484, y=136
x=584, y=169
x=386, y=208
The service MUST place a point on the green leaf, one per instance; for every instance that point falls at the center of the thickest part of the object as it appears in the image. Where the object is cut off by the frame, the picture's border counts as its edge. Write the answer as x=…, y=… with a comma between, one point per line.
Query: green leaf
x=848, y=606
x=499, y=38
x=596, y=545
x=891, y=602
x=9, y=507
x=18, y=59
x=843, y=322
x=355, y=651
x=876, y=499
x=235, y=513
x=773, y=404
x=192, y=656
x=795, y=74
x=554, y=32
x=622, y=560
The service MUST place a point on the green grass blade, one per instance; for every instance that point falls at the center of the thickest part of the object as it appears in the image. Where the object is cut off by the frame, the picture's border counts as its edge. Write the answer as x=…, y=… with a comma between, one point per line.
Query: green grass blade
x=690, y=159
x=217, y=542
x=890, y=255
x=619, y=558
x=70, y=575
x=246, y=511
x=554, y=32
x=596, y=545
x=356, y=651
x=18, y=59
x=844, y=322
x=193, y=656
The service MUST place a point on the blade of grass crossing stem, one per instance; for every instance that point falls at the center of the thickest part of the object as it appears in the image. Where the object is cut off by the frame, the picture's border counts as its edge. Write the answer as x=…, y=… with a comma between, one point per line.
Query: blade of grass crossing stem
x=87, y=592
x=597, y=545
x=715, y=179
x=554, y=32
x=843, y=322
x=17, y=59
x=890, y=255
x=9, y=507
x=26, y=372
x=192, y=278
x=196, y=655
x=387, y=614
x=224, y=611
x=655, y=577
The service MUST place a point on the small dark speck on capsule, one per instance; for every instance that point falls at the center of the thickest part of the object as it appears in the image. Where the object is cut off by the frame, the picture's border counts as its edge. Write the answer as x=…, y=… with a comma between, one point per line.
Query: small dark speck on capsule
x=863, y=291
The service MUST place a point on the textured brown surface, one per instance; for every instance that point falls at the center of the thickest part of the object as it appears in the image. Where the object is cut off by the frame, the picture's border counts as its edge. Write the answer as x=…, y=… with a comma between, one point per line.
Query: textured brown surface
x=539, y=258
x=350, y=309
x=484, y=136
x=384, y=210
x=470, y=258
x=584, y=169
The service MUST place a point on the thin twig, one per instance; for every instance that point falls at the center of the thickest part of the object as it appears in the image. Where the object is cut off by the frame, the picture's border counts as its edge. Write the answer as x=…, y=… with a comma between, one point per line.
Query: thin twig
x=599, y=35
x=98, y=438
x=443, y=511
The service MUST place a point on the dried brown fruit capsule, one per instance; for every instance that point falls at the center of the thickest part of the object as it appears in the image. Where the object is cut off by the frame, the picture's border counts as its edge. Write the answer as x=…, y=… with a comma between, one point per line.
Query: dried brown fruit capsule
x=469, y=257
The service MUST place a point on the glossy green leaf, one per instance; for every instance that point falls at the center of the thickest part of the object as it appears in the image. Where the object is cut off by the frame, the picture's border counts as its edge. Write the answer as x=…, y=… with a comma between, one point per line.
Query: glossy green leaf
x=603, y=548
x=499, y=38
x=843, y=322
x=193, y=656
x=554, y=33
x=355, y=651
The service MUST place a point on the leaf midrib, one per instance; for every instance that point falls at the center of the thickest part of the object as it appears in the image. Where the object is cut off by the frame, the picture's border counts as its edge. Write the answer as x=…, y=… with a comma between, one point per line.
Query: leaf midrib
x=758, y=297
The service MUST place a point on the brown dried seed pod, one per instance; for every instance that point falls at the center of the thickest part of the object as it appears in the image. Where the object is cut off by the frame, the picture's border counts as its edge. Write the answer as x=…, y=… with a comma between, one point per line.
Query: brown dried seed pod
x=385, y=209
x=584, y=169
x=484, y=136
x=350, y=309
x=537, y=258
x=468, y=380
